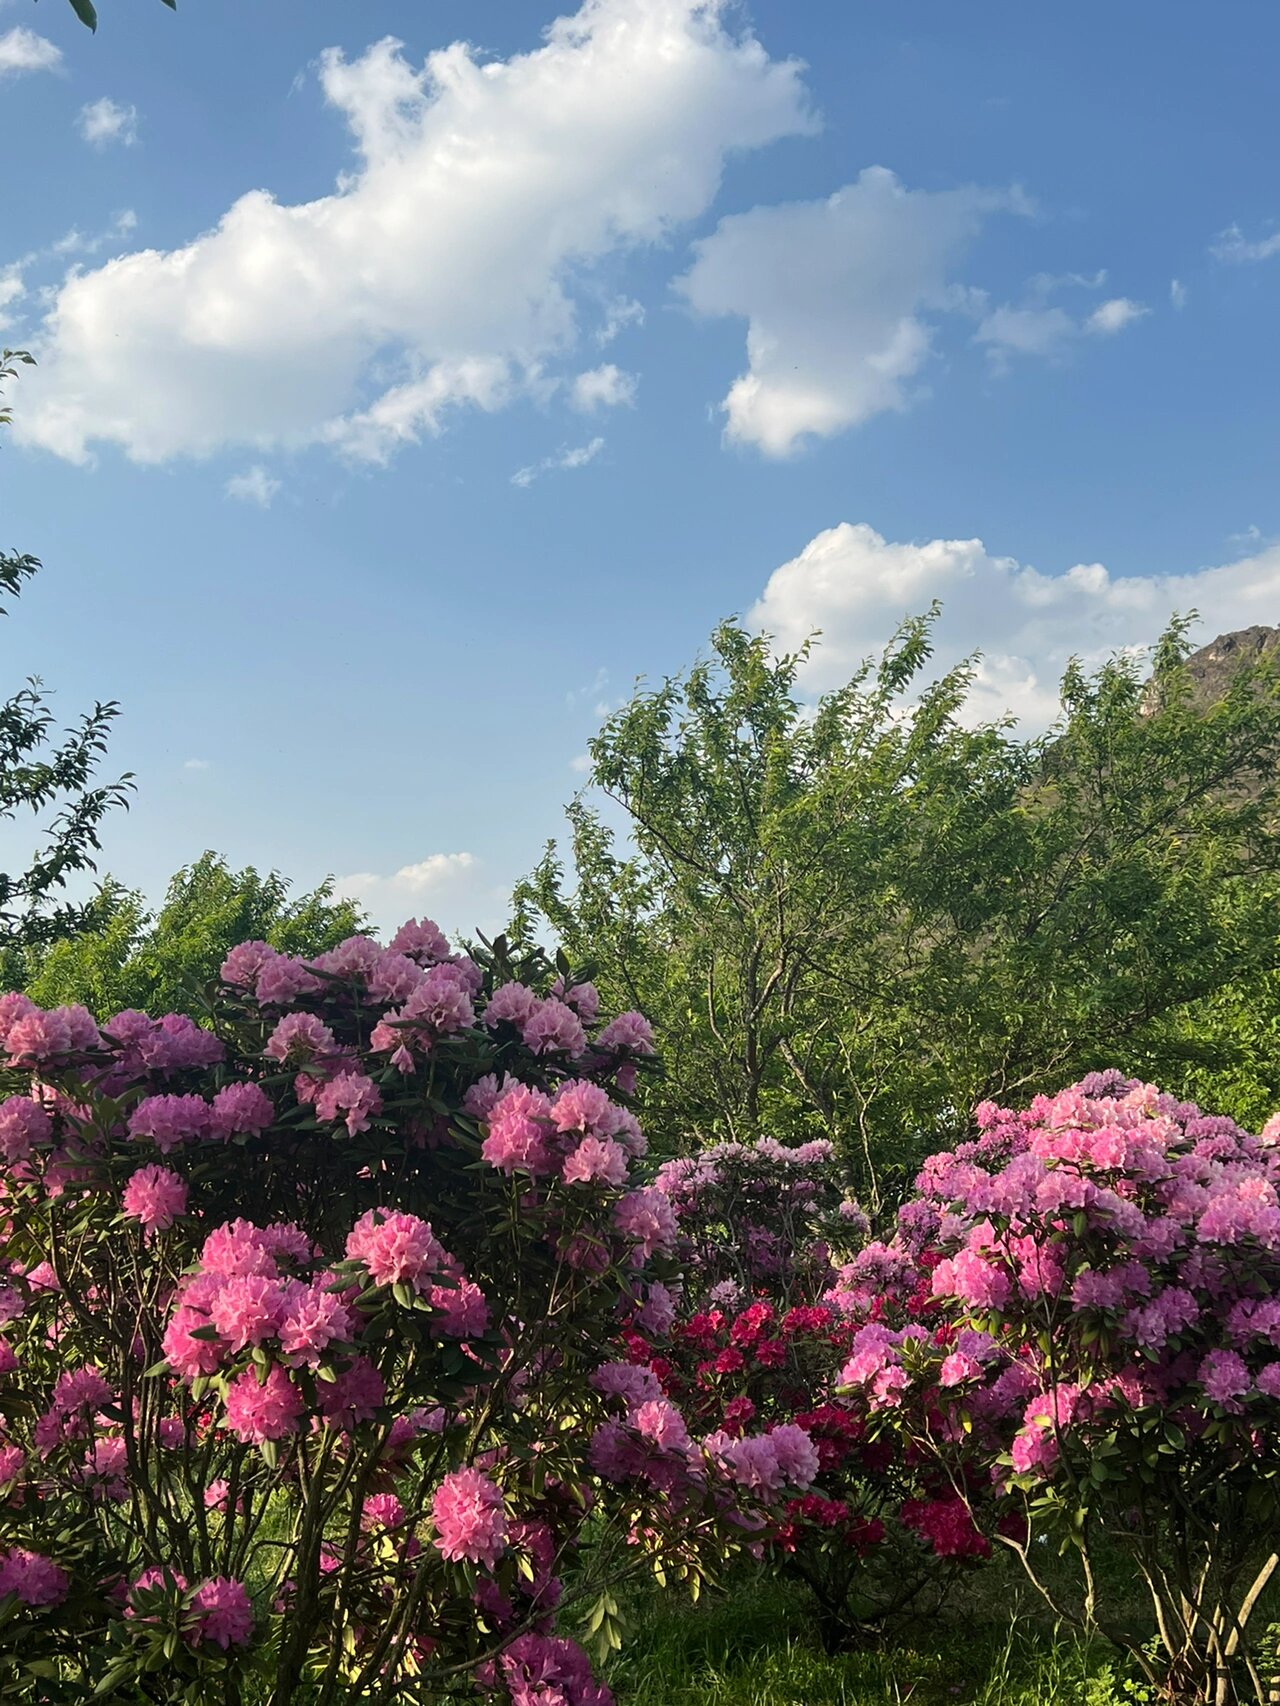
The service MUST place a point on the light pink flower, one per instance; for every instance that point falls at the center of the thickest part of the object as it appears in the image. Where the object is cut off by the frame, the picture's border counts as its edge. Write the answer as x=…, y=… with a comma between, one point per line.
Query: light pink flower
x=470, y=1521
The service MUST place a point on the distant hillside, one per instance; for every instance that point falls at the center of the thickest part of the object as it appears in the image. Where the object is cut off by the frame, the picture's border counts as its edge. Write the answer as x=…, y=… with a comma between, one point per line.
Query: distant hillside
x=1214, y=666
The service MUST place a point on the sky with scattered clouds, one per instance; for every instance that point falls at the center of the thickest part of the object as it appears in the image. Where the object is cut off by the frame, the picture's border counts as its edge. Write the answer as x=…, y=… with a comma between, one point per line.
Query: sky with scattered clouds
x=414, y=377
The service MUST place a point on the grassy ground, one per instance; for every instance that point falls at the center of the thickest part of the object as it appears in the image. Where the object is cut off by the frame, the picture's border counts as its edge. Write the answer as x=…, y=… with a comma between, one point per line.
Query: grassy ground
x=756, y=1647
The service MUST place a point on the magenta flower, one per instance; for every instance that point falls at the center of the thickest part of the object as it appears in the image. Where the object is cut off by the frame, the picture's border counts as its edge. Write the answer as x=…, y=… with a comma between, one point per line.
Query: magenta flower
x=470, y=1521
x=225, y=1614
x=36, y=1580
x=258, y=1411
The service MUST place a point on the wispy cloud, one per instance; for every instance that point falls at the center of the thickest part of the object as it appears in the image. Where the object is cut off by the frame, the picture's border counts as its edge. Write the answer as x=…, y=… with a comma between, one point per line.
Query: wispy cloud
x=606, y=387
x=577, y=457
x=1232, y=245
x=254, y=486
x=103, y=123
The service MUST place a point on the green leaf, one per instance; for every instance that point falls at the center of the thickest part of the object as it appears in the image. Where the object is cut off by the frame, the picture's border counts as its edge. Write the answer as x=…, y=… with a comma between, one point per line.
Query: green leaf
x=84, y=10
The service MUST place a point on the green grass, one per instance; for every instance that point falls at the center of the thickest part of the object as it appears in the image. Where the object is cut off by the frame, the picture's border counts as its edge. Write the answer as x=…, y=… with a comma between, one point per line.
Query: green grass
x=756, y=1647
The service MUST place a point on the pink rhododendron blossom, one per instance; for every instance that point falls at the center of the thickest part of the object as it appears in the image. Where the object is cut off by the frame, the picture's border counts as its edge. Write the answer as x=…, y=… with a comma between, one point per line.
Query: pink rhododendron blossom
x=595, y=1160
x=241, y=967
x=37, y=1581
x=396, y=1248
x=313, y=1318
x=224, y=1611
x=441, y=1002
x=631, y=1032
x=247, y=1309
x=352, y=1098
x=171, y=1121
x=584, y=998
x=23, y=1124
x=464, y=1311
x=510, y=1004
x=553, y=1027
x=282, y=979
x=155, y=1197
x=14, y=1006
x=258, y=1411
x=240, y=1110
x=519, y=1131
x=300, y=1036
x=394, y=978
x=421, y=940
x=355, y=1397
x=647, y=1218
x=542, y=1670
x=470, y=1521
x=237, y=1247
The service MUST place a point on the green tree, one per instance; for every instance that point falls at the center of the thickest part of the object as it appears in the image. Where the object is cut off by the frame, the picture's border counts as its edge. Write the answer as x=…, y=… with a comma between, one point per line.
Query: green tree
x=42, y=769
x=857, y=919
x=164, y=960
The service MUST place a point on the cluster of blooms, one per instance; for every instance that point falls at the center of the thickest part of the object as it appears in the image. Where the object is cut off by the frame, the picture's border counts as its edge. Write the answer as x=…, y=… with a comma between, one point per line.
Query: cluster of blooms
x=229, y=1280
x=760, y=1216
x=1102, y=1320
x=759, y=1343
x=1147, y=1232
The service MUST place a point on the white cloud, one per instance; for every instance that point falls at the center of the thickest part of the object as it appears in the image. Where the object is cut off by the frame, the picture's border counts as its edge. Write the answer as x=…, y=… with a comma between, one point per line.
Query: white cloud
x=580, y=764
x=576, y=457
x=622, y=312
x=196, y=764
x=22, y=50
x=856, y=587
x=1111, y=317
x=12, y=290
x=482, y=195
x=254, y=486
x=434, y=872
x=103, y=122
x=606, y=387
x=1177, y=293
x=1233, y=245
x=834, y=293
x=1038, y=326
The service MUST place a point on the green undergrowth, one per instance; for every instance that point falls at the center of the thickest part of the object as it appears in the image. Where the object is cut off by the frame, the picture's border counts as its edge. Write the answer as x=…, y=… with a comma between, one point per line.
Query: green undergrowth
x=756, y=1646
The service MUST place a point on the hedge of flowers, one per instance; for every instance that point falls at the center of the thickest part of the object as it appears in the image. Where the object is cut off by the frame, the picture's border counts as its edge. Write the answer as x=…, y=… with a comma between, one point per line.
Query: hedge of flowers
x=1105, y=1350
x=303, y=1380
x=767, y=1320
x=348, y=1351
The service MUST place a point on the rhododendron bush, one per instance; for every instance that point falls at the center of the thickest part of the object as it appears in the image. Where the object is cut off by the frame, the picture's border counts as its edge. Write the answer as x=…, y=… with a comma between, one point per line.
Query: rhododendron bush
x=301, y=1377
x=1107, y=1266
x=764, y=1325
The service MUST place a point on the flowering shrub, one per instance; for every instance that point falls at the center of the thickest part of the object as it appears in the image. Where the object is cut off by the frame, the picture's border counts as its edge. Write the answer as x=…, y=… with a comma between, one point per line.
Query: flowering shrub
x=760, y=1217
x=300, y=1373
x=763, y=1328
x=1108, y=1262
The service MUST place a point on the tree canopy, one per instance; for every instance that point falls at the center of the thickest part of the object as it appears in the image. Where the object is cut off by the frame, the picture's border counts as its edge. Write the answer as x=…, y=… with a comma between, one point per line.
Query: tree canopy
x=860, y=917
x=162, y=961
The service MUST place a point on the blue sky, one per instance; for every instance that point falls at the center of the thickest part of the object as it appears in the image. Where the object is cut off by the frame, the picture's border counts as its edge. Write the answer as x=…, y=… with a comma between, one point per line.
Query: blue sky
x=398, y=406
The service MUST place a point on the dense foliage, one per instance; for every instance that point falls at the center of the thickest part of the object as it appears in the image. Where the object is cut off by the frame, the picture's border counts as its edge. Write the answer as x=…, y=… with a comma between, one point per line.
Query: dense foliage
x=128, y=956
x=856, y=920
